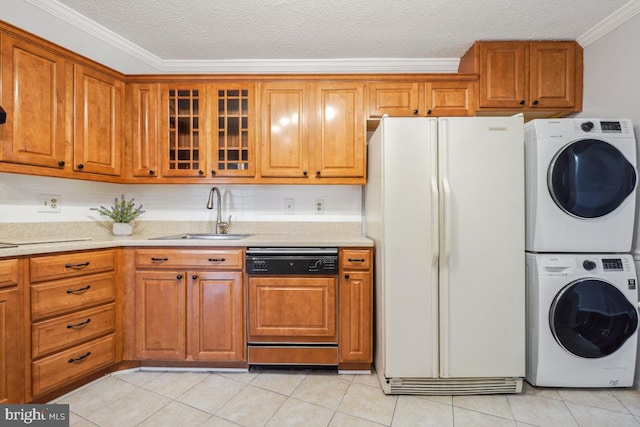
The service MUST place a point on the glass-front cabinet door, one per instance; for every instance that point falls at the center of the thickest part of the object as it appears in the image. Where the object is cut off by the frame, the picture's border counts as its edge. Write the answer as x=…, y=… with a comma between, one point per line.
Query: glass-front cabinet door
x=232, y=142
x=183, y=150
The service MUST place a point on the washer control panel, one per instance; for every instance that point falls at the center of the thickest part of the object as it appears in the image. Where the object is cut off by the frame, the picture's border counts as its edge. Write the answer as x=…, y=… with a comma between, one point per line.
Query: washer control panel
x=612, y=264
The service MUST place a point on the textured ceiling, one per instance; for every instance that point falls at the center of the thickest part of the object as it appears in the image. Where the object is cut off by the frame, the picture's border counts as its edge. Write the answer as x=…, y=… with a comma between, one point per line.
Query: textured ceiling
x=325, y=29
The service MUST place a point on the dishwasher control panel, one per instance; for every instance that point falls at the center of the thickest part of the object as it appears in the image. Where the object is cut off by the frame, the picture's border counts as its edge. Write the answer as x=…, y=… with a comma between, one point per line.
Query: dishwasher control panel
x=283, y=261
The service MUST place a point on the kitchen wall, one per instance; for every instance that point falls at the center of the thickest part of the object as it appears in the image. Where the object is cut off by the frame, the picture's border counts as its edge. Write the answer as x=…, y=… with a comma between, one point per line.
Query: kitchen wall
x=612, y=74
x=19, y=201
x=612, y=89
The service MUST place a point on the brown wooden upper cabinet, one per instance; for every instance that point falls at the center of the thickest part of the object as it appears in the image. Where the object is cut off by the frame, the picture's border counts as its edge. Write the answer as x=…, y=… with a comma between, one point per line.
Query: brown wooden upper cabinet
x=97, y=145
x=451, y=97
x=181, y=136
x=204, y=130
x=142, y=103
x=526, y=75
x=34, y=95
x=313, y=131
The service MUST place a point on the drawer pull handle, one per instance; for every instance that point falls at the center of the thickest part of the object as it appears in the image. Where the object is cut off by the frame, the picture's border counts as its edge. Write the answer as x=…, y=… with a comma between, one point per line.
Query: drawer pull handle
x=79, y=325
x=217, y=259
x=79, y=290
x=179, y=277
x=158, y=259
x=356, y=260
x=81, y=358
x=83, y=264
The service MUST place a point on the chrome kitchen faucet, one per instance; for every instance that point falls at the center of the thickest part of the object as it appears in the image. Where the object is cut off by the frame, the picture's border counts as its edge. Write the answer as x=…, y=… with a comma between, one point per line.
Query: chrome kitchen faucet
x=221, y=227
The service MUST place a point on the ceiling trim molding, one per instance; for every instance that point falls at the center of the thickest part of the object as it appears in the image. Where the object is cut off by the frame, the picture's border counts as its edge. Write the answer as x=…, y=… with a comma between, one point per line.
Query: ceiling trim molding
x=148, y=63
x=86, y=25
x=611, y=22
x=244, y=66
x=315, y=66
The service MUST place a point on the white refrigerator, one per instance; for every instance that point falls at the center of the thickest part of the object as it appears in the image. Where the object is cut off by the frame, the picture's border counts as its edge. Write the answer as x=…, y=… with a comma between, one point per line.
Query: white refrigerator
x=444, y=204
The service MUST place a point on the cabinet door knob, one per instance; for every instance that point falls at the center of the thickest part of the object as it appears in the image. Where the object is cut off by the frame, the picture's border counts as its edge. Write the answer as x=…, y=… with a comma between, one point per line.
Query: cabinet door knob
x=194, y=277
x=536, y=102
x=522, y=102
x=415, y=112
x=317, y=173
x=346, y=276
x=200, y=172
x=429, y=112
x=80, y=166
x=304, y=173
x=179, y=277
x=61, y=163
x=213, y=173
x=152, y=172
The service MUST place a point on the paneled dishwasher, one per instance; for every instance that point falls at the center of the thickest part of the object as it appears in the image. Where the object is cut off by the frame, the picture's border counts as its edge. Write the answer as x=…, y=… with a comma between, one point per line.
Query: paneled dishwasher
x=292, y=305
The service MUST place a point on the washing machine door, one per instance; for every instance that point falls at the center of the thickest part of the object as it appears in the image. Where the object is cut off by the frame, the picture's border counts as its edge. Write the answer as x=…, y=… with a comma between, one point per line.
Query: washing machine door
x=591, y=318
x=590, y=178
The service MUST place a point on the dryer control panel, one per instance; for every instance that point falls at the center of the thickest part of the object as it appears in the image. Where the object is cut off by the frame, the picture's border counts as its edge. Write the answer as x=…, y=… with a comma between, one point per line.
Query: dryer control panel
x=595, y=127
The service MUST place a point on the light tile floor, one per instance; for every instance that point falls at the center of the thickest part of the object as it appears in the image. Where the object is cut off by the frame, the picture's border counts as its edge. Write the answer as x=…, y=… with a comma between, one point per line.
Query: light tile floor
x=309, y=398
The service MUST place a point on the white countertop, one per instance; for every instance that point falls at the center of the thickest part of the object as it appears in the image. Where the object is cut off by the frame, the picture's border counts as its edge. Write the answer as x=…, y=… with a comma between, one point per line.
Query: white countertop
x=62, y=239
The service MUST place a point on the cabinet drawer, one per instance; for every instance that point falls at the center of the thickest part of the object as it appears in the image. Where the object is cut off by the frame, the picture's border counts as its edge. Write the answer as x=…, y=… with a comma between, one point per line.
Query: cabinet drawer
x=70, y=365
x=71, y=265
x=355, y=259
x=62, y=332
x=8, y=272
x=64, y=296
x=223, y=259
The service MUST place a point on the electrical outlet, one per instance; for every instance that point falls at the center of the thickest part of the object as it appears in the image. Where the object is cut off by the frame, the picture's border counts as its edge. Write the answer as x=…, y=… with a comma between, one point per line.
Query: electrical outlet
x=49, y=203
x=289, y=206
x=319, y=206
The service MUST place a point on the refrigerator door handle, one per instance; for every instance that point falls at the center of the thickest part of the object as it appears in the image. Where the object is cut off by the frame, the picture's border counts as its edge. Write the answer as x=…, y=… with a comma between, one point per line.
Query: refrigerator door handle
x=435, y=199
x=445, y=242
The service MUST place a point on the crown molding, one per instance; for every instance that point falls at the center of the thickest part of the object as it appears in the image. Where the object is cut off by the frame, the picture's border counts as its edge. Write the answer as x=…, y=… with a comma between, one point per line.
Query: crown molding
x=148, y=63
x=315, y=66
x=94, y=41
x=103, y=34
x=611, y=22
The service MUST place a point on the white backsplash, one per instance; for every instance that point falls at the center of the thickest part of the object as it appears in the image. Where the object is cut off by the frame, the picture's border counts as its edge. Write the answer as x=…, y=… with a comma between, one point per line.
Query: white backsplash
x=19, y=201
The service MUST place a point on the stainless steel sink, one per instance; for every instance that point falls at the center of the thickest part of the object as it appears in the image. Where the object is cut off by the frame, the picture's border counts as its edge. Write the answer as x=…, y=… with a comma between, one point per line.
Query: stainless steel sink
x=202, y=236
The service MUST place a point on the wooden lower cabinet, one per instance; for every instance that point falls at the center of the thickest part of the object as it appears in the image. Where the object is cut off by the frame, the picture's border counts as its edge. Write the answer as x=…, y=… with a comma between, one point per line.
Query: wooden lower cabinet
x=11, y=372
x=74, y=329
x=189, y=315
x=65, y=367
x=355, y=315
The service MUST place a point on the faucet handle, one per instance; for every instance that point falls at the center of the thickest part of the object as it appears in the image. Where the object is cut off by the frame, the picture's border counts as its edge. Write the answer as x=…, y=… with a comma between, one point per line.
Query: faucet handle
x=223, y=227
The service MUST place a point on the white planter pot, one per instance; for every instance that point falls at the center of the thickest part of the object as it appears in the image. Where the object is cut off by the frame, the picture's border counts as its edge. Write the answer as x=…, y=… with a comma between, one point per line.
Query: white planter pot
x=122, y=229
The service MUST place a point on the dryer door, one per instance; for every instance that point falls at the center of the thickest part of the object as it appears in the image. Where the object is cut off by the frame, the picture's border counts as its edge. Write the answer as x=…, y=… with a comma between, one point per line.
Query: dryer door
x=590, y=178
x=591, y=318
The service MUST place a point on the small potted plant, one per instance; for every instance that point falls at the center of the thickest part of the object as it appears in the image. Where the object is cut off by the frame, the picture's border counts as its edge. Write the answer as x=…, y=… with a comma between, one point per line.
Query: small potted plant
x=122, y=212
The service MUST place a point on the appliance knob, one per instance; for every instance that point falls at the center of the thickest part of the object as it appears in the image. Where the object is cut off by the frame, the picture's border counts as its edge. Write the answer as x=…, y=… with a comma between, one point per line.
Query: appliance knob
x=589, y=265
x=587, y=126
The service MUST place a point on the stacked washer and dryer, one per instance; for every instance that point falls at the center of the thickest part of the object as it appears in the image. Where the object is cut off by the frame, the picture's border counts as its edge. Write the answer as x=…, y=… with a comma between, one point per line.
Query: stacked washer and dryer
x=582, y=296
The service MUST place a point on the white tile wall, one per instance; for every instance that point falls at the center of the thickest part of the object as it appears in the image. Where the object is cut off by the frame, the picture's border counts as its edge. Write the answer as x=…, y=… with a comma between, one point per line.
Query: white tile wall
x=19, y=195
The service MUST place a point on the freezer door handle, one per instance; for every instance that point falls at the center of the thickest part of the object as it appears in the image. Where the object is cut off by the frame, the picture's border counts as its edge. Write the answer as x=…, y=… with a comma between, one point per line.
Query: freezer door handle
x=435, y=198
